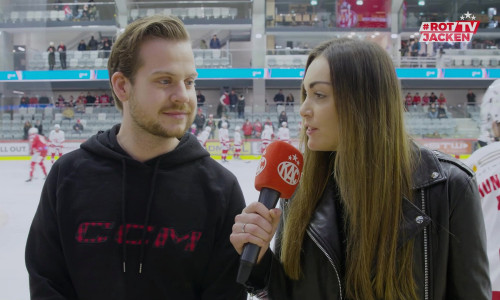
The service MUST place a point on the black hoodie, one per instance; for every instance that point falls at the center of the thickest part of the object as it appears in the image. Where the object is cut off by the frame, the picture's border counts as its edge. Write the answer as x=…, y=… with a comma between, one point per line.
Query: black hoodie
x=98, y=196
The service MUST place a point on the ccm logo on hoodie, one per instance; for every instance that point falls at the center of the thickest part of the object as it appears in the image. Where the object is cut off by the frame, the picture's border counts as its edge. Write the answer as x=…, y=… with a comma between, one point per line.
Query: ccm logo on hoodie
x=101, y=232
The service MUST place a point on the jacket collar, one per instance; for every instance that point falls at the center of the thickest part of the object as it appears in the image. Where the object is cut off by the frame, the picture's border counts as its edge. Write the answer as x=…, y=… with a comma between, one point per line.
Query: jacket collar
x=428, y=170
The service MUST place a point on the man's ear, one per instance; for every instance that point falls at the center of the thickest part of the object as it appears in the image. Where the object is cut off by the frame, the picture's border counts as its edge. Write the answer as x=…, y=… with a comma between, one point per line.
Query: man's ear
x=121, y=86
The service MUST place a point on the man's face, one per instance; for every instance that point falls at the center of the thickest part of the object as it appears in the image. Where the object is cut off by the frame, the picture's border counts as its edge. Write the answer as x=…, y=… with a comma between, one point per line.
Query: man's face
x=163, y=97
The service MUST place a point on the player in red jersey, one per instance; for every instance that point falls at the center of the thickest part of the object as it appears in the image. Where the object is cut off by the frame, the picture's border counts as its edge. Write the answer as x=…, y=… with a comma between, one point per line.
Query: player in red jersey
x=38, y=151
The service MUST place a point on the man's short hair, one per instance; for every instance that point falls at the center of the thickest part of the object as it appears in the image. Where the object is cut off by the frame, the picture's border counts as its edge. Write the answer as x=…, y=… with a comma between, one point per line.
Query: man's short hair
x=124, y=54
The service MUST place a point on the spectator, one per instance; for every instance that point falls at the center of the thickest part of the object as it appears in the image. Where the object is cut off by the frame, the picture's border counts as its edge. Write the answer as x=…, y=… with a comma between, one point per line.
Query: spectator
x=105, y=100
x=82, y=97
x=223, y=104
x=416, y=100
x=62, y=55
x=82, y=46
x=68, y=13
x=58, y=5
x=33, y=100
x=77, y=13
x=282, y=117
x=60, y=100
x=43, y=100
x=223, y=119
x=92, y=44
x=415, y=48
x=471, y=98
x=80, y=106
x=211, y=123
x=193, y=130
x=200, y=98
x=71, y=101
x=408, y=101
x=85, y=13
x=257, y=127
x=441, y=99
x=78, y=127
x=290, y=99
x=441, y=112
x=432, y=111
x=68, y=113
x=203, y=45
x=214, y=42
x=247, y=129
x=92, y=10
x=26, y=128
x=432, y=98
x=39, y=126
x=90, y=99
x=425, y=100
x=233, y=100
x=106, y=48
x=25, y=101
x=199, y=121
x=279, y=98
x=241, y=106
x=52, y=55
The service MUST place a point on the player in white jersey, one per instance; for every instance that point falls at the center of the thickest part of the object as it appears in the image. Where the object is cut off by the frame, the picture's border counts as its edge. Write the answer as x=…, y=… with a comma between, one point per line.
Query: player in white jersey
x=203, y=136
x=284, y=133
x=56, y=139
x=266, y=137
x=237, y=142
x=486, y=163
x=224, y=141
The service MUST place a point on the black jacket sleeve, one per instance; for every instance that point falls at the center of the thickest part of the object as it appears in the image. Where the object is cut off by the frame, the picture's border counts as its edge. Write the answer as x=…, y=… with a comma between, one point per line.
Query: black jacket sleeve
x=48, y=273
x=468, y=262
x=219, y=281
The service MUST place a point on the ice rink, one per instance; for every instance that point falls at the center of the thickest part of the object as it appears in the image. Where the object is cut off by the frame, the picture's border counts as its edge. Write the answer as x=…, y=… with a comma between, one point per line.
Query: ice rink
x=18, y=204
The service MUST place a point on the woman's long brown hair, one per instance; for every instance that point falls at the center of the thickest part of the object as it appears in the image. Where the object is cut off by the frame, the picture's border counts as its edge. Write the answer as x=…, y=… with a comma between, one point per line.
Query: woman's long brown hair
x=372, y=168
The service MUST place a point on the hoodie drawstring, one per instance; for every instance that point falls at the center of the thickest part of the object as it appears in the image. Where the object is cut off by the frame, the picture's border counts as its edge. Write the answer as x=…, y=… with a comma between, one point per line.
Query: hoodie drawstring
x=148, y=213
x=124, y=223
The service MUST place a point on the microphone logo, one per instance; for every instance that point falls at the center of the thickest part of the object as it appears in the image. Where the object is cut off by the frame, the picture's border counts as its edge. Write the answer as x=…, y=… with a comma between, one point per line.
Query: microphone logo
x=289, y=172
x=262, y=165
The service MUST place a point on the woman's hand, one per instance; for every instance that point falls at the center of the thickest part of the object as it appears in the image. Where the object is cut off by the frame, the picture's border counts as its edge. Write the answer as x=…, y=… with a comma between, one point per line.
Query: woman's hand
x=256, y=224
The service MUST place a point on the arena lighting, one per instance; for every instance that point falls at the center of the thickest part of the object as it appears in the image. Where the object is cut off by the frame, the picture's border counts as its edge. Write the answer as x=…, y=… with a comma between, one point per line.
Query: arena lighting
x=359, y=2
x=18, y=92
x=421, y=3
x=394, y=35
x=314, y=2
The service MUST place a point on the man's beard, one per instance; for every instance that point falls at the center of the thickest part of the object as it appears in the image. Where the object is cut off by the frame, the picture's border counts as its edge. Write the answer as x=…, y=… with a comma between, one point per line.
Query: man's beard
x=153, y=125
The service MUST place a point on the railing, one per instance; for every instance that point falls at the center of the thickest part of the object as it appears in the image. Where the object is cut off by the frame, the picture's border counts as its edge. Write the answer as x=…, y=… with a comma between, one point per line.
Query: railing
x=24, y=14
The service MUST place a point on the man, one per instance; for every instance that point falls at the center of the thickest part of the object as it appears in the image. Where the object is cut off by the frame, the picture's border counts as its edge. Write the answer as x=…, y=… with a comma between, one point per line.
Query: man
x=119, y=218
x=279, y=98
x=38, y=151
x=62, y=55
x=78, y=127
x=215, y=42
x=233, y=100
x=200, y=98
x=486, y=164
x=199, y=121
x=56, y=138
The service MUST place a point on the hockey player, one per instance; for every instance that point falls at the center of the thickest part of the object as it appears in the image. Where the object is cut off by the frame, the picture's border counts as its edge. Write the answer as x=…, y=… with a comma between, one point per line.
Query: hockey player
x=284, y=133
x=267, y=136
x=224, y=141
x=237, y=142
x=38, y=151
x=486, y=164
x=56, y=138
x=203, y=136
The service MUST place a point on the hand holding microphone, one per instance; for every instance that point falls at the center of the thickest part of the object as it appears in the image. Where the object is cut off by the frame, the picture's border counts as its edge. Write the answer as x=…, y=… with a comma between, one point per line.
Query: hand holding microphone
x=278, y=175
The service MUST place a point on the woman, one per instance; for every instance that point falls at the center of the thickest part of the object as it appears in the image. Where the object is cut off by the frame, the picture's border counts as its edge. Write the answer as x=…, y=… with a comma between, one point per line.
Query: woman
x=375, y=216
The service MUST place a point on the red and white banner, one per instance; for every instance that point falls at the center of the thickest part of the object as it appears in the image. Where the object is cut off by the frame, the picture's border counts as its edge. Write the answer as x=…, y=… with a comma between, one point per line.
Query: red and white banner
x=459, y=31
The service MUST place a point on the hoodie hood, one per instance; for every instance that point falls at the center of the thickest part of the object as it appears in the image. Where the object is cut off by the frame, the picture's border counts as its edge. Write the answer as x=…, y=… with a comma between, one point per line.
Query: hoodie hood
x=106, y=144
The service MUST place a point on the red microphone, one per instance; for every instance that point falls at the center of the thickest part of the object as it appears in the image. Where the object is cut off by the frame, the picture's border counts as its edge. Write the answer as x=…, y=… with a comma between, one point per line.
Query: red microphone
x=278, y=175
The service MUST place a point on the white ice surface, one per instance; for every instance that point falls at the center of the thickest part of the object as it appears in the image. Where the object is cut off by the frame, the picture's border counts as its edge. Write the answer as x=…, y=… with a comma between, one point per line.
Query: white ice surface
x=18, y=203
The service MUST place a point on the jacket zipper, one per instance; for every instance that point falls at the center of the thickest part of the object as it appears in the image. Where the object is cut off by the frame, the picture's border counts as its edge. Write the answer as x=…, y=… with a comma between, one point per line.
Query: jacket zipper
x=426, y=257
x=328, y=257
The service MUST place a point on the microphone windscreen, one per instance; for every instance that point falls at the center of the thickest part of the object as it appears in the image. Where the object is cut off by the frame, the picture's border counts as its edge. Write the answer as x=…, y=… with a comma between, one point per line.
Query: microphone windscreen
x=280, y=169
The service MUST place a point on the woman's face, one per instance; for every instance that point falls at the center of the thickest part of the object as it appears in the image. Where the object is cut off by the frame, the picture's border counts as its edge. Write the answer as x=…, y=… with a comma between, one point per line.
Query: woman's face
x=318, y=110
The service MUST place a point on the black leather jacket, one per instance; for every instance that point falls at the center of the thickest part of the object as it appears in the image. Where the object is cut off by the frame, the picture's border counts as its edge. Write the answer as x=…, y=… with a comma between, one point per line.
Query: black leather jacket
x=446, y=221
